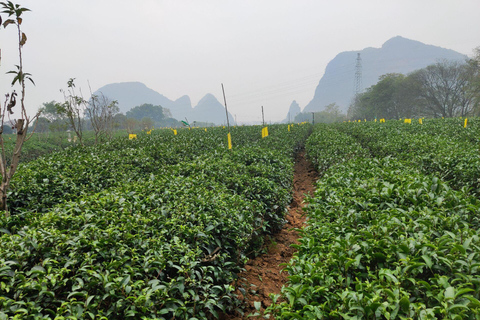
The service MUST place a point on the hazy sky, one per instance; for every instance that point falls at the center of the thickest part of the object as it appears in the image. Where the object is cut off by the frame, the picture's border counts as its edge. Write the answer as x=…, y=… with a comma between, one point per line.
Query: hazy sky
x=265, y=52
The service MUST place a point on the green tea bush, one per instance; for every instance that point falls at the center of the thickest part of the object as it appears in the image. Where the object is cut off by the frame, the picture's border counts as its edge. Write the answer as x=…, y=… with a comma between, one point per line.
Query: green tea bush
x=384, y=241
x=439, y=146
x=166, y=241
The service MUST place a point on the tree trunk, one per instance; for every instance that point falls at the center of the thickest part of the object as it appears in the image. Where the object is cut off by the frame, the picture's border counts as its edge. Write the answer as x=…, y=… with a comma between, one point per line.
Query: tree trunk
x=3, y=199
x=8, y=174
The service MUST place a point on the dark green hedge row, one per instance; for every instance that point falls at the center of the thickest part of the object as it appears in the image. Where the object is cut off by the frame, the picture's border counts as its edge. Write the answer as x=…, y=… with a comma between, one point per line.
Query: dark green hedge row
x=327, y=146
x=439, y=146
x=76, y=171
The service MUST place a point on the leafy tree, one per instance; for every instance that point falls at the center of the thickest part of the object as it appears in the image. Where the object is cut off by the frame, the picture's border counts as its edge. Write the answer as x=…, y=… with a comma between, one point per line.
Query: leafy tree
x=390, y=98
x=444, y=89
x=119, y=121
x=330, y=114
x=21, y=125
x=407, y=96
x=147, y=123
x=156, y=113
x=56, y=120
x=49, y=111
x=42, y=124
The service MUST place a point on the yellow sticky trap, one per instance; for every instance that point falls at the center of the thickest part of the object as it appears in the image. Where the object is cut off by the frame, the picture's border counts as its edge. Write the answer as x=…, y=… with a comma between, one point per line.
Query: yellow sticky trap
x=174, y=132
x=223, y=127
x=288, y=128
x=365, y=120
x=205, y=129
x=132, y=136
x=264, y=132
x=407, y=120
x=420, y=121
x=229, y=136
x=465, y=124
x=375, y=119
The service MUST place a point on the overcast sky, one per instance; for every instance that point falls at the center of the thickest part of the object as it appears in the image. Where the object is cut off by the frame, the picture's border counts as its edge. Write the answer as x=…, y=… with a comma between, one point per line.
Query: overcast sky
x=265, y=52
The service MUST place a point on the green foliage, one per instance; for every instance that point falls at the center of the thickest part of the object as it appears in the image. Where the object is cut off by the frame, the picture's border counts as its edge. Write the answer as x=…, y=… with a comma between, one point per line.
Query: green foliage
x=327, y=146
x=331, y=113
x=392, y=97
x=155, y=227
x=55, y=119
x=385, y=239
x=443, y=147
x=156, y=113
x=443, y=89
x=148, y=115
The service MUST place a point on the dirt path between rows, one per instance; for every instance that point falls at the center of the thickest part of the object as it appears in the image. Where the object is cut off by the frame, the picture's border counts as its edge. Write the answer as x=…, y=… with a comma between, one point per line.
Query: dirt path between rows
x=263, y=274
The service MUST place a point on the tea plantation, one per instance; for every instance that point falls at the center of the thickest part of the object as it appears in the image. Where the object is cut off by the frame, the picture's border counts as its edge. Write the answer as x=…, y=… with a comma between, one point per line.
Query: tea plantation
x=393, y=227
x=155, y=227
x=158, y=227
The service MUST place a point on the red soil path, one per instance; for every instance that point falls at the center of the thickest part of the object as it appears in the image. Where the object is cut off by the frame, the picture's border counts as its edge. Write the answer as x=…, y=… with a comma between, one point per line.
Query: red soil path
x=263, y=274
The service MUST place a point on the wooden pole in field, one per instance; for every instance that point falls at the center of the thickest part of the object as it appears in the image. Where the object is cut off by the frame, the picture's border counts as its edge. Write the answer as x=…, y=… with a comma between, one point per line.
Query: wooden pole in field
x=226, y=110
x=229, y=136
x=263, y=118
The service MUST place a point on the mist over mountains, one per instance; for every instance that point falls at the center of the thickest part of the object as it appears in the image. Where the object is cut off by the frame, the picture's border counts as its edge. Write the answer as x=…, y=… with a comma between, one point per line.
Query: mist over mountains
x=397, y=55
x=132, y=94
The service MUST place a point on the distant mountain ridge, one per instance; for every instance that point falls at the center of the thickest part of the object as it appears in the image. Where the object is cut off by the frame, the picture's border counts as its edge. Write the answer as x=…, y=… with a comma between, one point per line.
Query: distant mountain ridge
x=132, y=94
x=397, y=55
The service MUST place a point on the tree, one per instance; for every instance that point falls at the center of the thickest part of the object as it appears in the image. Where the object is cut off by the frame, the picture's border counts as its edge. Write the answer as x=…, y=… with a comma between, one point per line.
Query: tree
x=73, y=109
x=474, y=66
x=42, y=124
x=101, y=111
x=389, y=98
x=49, y=111
x=131, y=124
x=407, y=95
x=57, y=121
x=330, y=114
x=147, y=123
x=445, y=89
x=15, y=17
x=156, y=113
x=119, y=121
